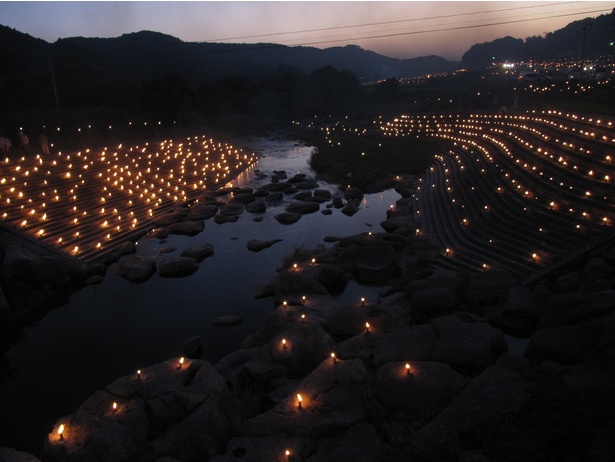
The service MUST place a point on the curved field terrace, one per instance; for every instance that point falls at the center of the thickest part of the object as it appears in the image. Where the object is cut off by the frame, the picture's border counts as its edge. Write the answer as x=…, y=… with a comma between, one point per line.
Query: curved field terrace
x=520, y=192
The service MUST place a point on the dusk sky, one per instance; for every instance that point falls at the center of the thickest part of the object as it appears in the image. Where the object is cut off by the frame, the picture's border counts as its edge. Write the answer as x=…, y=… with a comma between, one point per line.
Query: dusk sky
x=404, y=29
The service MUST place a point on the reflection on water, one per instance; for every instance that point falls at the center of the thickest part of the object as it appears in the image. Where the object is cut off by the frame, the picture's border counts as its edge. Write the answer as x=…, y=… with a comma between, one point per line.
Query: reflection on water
x=116, y=327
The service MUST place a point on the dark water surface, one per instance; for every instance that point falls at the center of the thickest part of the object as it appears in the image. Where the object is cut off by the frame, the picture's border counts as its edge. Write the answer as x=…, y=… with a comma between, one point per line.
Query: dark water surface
x=114, y=328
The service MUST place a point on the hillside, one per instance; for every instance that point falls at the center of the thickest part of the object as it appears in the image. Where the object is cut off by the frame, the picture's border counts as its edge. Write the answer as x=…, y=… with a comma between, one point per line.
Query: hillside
x=597, y=33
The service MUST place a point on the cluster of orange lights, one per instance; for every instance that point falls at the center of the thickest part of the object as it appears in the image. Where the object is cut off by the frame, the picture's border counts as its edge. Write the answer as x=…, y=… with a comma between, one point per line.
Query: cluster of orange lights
x=82, y=202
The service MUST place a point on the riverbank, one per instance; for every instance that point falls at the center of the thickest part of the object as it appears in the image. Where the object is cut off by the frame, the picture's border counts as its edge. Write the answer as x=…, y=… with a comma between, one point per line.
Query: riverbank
x=420, y=372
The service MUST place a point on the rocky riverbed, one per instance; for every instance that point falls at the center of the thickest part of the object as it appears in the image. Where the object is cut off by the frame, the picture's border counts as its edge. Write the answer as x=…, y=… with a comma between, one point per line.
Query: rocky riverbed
x=421, y=372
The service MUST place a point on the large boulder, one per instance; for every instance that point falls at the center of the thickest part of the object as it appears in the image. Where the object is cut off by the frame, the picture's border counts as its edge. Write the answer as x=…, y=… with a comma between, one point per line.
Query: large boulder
x=333, y=399
x=256, y=207
x=137, y=269
x=187, y=228
x=306, y=346
x=467, y=346
x=435, y=292
x=597, y=268
x=575, y=307
x=167, y=218
x=323, y=193
x=572, y=343
x=497, y=392
x=97, y=432
x=345, y=321
x=351, y=207
x=199, y=252
x=394, y=223
x=353, y=193
x=288, y=218
x=375, y=264
x=178, y=266
x=202, y=212
x=569, y=282
x=423, y=390
x=412, y=343
x=307, y=183
x=303, y=207
x=488, y=288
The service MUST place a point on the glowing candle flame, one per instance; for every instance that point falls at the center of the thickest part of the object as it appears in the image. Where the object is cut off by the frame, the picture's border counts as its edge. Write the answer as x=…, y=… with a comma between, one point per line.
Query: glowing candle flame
x=61, y=431
x=114, y=406
x=284, y=343
x=408, y=369
x=181, y=362
x=299, y=400
x=367, y=326
x=333, y=357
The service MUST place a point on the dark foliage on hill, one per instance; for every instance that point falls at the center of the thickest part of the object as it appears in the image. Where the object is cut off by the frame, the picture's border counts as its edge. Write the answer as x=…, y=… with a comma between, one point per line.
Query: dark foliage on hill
x=563, y=43
x=91, y=69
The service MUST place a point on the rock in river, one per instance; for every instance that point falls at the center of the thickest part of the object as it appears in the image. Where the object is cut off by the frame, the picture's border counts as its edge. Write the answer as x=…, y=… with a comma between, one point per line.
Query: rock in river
x=137, y=269
x=178, y=267
x=255, y=245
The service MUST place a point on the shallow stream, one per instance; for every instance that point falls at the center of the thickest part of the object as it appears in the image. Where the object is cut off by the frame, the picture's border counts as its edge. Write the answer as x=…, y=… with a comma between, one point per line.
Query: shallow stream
x=116, y=327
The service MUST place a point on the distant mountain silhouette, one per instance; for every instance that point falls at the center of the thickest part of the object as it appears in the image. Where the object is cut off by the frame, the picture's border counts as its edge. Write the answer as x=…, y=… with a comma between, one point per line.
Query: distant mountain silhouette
x=148, y=54
x=160, y=74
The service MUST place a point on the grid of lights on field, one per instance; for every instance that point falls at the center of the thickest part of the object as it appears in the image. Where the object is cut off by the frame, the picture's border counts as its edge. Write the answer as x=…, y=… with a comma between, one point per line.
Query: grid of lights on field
x=559, y=164
x=83, y=202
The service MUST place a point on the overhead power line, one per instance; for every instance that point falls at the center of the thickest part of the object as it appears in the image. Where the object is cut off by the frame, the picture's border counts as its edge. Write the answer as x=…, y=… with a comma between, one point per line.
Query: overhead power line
x=398, y=21
x=448, y=29
x=428, y=28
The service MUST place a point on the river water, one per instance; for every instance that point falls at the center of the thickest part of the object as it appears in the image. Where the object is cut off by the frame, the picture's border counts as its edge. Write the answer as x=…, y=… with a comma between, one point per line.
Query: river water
x=116, y=327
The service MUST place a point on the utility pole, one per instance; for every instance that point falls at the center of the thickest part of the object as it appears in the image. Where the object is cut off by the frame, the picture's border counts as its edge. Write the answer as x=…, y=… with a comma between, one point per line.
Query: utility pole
x=53, y=80
x=587, y=26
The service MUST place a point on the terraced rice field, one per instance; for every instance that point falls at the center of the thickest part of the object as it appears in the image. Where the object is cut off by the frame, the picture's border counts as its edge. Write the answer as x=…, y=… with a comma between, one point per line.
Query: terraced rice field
x=515, y=191
x=88, y=203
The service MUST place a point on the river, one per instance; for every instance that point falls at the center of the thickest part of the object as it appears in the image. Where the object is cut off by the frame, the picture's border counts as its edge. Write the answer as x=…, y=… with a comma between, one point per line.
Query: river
x=116, y=327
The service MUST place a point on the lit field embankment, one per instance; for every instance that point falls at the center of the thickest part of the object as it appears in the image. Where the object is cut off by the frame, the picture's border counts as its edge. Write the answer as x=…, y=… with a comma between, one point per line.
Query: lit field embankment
x=515, y=191
x=88, y=203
